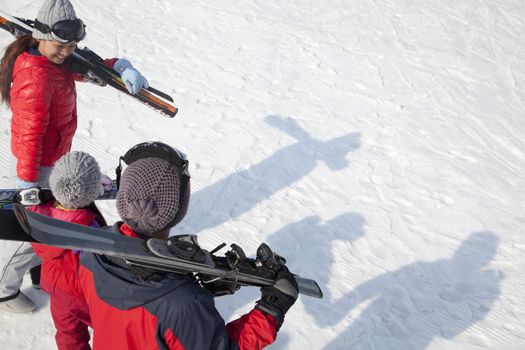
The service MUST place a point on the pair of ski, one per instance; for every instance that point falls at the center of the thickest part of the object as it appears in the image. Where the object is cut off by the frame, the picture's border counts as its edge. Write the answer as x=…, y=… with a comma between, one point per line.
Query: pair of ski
x=93, y=66
x=180, y=254
x=37, y=195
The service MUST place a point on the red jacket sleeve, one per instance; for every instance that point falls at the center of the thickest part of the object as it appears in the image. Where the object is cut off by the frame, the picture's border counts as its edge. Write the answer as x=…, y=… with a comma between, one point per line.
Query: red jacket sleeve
x=32, y=101
x=196, y=323
x=110, y=62
x=255, y=330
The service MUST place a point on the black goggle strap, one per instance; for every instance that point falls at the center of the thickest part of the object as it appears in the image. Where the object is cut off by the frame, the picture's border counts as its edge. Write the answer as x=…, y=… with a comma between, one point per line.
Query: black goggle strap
x=41, y=27
x=118, y=171
x=155, y=150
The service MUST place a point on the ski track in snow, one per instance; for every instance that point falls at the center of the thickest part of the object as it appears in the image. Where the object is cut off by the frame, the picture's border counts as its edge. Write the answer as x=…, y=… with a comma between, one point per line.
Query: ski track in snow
x=378, y=145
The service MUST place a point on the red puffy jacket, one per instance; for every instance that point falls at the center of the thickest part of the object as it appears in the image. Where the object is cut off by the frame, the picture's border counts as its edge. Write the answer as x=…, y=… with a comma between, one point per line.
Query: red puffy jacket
x=43, y=102
x=60, y=266
x=44, y=106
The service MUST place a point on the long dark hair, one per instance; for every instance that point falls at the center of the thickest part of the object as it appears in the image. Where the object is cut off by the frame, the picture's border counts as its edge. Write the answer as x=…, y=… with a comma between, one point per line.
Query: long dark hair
x=7, y=64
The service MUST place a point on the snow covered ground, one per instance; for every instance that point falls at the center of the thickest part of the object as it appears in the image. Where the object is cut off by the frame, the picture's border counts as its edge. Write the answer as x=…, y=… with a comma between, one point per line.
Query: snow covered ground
x=378, y=145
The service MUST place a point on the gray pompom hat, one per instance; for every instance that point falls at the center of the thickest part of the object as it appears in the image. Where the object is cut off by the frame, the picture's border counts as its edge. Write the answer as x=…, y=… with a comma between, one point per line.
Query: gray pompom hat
x=151, y=197
x=51, y=12
x=75, y=180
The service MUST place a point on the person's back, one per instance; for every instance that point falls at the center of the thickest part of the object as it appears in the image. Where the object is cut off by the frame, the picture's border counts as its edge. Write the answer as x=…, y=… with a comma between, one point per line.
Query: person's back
x=140, y=308
x=75, y=182
x=60, y=266
x=143, y=309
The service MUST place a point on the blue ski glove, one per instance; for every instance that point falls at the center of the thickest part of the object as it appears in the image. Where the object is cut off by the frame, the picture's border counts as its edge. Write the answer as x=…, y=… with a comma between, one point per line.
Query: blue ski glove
x=25, y=184
x=132, y=78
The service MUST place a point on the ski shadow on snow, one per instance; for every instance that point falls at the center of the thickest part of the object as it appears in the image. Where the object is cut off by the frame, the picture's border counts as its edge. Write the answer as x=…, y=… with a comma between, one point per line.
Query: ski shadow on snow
x=405, y=309
x=241, y=191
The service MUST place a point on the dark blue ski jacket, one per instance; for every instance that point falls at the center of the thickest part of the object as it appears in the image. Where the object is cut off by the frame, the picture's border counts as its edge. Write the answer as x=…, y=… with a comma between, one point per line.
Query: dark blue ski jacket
x=137, y=308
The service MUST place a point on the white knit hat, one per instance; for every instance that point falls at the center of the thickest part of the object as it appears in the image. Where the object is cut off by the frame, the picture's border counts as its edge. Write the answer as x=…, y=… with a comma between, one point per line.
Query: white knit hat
x=51, y=12
x=75, y=180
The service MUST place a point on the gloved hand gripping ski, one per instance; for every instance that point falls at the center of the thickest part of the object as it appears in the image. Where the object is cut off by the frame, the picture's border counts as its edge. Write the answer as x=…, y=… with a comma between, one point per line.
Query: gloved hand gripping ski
x=276, y=300
x=132, y=78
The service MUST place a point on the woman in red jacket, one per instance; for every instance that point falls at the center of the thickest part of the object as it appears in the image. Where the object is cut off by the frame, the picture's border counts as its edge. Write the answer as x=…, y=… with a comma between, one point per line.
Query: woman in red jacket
x=36, y=81
x=75, y=183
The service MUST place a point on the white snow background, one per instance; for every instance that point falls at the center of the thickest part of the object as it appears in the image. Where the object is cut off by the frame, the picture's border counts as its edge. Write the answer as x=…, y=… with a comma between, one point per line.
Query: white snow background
x=377, y=145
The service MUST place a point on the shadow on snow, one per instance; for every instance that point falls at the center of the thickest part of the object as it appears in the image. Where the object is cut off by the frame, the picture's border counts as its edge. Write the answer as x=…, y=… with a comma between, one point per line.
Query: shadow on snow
x=241, y=191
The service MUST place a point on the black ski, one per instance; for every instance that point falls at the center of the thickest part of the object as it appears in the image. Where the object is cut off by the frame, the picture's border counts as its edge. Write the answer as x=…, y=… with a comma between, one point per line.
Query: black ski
x=93, y=65
x=233, y=268
x=11, y=230
x=37, y=195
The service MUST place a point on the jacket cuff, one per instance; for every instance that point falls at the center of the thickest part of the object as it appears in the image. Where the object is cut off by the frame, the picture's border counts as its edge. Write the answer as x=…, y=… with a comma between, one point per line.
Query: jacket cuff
x=270, y=311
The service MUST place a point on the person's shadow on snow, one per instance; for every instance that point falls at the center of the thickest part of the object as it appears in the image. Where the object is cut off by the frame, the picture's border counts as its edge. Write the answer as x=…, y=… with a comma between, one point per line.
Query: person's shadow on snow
x=301, y=243
x=407, y=308
x=307, y=245
x=241, y=191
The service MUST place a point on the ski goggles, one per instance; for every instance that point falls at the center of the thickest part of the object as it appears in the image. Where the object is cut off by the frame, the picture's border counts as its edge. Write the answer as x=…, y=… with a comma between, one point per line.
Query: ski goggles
x=65, y=31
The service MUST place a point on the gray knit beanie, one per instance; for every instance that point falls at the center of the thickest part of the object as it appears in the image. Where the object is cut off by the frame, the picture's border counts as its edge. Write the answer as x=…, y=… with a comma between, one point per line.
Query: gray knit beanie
x=51, y=12
x=75, y=180
x=152, y=195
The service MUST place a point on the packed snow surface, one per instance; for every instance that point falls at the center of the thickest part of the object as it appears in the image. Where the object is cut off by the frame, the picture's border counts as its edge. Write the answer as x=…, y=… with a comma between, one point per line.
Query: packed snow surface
x=377, y=145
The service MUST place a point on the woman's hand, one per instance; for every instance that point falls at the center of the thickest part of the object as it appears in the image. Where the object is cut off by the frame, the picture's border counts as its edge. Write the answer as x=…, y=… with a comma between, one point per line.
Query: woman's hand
x=132, y=78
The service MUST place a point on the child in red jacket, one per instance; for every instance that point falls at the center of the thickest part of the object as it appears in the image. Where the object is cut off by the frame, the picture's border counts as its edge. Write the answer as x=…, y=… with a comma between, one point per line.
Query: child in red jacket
x=75, y=182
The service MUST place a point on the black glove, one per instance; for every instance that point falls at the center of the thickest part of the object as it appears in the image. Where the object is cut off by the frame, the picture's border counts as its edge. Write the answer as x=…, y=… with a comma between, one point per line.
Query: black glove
x=276, y=300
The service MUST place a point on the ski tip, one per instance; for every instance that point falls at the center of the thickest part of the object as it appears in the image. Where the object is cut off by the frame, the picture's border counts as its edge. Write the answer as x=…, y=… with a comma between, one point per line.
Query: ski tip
x=160, y=94
x=172, y=114
x=309, y=287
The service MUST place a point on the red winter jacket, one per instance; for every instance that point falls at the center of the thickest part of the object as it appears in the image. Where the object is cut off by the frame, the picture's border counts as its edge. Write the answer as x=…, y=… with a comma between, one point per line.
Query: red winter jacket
x=60, y=266
x=44, y=107
x=43, y=102
x=132, y=308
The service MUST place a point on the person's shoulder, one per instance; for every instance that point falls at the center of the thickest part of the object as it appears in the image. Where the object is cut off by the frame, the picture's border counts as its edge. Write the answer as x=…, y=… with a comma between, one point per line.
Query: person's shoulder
x=85, y=216
x=32, y=65
x=27, y=60
x=42, y=209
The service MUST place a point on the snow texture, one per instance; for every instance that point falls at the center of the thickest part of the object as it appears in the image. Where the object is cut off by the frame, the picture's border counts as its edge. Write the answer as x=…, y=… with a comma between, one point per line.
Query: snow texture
x=378, y=145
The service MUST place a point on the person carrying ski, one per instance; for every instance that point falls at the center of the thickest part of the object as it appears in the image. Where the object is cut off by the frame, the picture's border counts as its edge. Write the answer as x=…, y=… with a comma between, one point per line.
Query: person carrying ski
x=75, y=184
x=37, y=81
x=135, y=307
